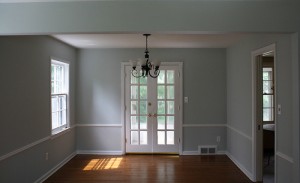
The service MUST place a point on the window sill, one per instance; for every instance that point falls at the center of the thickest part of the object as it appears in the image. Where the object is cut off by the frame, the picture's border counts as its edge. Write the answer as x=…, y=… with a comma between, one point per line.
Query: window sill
x=60, y=132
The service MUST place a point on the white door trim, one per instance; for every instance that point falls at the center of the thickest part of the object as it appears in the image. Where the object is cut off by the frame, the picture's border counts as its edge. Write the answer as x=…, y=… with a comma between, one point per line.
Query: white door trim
x=180, y=100
x=257, y=176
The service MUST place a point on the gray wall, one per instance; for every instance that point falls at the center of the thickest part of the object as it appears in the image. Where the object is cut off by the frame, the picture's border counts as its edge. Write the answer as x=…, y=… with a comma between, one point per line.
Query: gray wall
x=25, y=107
x=99, y=95
x=239, y=101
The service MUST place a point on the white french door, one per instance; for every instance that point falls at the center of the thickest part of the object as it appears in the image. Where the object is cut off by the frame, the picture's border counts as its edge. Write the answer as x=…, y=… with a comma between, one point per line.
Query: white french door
x=152, y=112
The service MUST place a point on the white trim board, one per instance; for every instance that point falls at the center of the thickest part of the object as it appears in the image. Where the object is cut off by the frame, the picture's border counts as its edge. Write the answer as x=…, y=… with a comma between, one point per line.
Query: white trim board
x=239, y=132
x=12, y=153
x=204, y=125
x=54, y=169
x=241, y=167
x=99, y=125
x=100, y=152
x=194, y=153
x=285, y=157
x=28, y=146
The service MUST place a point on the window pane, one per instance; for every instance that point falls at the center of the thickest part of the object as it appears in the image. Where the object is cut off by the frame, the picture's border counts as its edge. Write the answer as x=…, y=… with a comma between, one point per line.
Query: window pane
x=161, y=77
x=134, y=138
x=143, y=107
x=143, y=80
x=170, y=92
x=170, y=107
x=52, y=72
x=170, y=122
x=161, y=107
x=54, y=103
x=160, y=122
x=134, y=92
x=52, y=87
x=160, y=92
x=134, y=80
x=143, y=137
x=267, y=87
x=134, y=107
x=268, y=114
x=64, y=101
x=143, y=122
x=170, y=77
x=143, y=92
x=267, y=100
x=59, y=118
x=134, y=122
x=161, y=137
x=170, y=137
x=54, y=120
x=64, y=117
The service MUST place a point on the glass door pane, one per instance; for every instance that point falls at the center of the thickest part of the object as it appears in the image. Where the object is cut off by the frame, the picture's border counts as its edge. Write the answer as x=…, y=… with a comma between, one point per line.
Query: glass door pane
x=165, y=108
x=138, y=108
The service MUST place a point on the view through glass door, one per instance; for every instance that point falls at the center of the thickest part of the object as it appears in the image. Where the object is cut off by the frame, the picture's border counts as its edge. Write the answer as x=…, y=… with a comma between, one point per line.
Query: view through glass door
x=152, y=112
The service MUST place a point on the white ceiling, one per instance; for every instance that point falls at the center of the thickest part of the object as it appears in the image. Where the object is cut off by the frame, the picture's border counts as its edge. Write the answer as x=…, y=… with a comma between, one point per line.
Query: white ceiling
x=154, y=41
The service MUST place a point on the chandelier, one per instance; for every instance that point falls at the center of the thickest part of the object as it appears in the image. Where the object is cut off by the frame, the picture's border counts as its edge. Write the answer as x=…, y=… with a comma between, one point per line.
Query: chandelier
x=144, y=67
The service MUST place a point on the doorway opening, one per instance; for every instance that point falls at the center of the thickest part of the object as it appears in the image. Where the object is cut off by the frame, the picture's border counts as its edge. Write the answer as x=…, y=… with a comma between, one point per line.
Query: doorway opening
x=264, y=95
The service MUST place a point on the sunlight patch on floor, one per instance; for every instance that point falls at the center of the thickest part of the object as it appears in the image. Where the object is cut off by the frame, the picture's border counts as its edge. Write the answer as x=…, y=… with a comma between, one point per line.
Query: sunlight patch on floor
x=103, y=164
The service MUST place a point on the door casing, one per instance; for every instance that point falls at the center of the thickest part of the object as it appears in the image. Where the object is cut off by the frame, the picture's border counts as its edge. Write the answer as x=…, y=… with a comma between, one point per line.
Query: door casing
x=257, y=155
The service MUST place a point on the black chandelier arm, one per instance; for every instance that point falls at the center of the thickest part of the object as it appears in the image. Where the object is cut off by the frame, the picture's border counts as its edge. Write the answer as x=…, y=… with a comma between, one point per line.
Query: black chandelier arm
x=156, y=73
x=136, y=75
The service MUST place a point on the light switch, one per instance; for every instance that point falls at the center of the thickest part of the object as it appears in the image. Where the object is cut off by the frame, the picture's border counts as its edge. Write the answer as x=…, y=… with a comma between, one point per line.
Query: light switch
x=279, y=109
x=186, y=99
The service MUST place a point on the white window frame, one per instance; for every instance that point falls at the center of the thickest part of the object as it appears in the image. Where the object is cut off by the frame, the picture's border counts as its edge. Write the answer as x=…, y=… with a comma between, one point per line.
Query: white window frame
x=64, y=92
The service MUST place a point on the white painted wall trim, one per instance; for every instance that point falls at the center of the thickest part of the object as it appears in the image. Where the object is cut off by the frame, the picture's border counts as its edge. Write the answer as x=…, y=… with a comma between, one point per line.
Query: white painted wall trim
x=54, y=169
x=12, y=153
x=241, y=167
x=285, y=157
x=99, y=125
x=99, y=152
x=204, y=125
x=53, y=136
x=239, y=132
x=190, y=153
x=193, y=153
x=28, y=146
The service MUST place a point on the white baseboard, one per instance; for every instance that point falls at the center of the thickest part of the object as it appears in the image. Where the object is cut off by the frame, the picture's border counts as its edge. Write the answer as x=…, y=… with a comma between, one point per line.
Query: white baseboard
x=241, y=167
x=190, y=153
x=97, y=152
x=54, y=169
x=197, y=153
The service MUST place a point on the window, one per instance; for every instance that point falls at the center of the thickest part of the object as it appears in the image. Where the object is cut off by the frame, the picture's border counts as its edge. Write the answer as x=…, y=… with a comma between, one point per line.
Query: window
x=268, y=94
x=59, y=95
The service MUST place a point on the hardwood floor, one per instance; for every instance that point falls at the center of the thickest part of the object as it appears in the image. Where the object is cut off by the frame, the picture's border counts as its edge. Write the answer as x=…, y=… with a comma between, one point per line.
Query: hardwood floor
x=150, y=169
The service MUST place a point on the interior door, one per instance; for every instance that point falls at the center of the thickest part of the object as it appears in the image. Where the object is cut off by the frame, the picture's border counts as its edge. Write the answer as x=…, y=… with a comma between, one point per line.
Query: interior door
x=152, y=109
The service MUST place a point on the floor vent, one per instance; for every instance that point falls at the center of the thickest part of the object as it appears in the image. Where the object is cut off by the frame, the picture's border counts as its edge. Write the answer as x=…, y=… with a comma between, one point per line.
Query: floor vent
x=207, y=150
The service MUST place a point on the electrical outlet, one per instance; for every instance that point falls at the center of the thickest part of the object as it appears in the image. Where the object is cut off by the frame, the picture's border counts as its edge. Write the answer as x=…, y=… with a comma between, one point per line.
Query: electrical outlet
x=186, y=99
x=218, y=138
x=46, y=156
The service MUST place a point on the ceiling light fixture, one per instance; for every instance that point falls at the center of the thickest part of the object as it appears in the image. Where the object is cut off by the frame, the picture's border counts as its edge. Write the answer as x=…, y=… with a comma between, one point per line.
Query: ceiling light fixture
x=144, y=67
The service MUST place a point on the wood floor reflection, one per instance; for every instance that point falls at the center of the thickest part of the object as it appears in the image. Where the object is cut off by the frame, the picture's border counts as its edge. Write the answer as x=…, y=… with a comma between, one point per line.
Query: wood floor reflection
x=150, y=169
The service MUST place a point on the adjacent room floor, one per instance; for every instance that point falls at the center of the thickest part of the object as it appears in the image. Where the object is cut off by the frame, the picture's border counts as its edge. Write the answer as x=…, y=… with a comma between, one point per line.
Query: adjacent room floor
x=149, y=168
x=269, y=169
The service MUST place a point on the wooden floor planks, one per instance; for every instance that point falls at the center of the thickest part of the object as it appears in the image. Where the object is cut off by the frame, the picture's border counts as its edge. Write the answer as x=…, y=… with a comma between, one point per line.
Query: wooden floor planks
x=150, y=169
